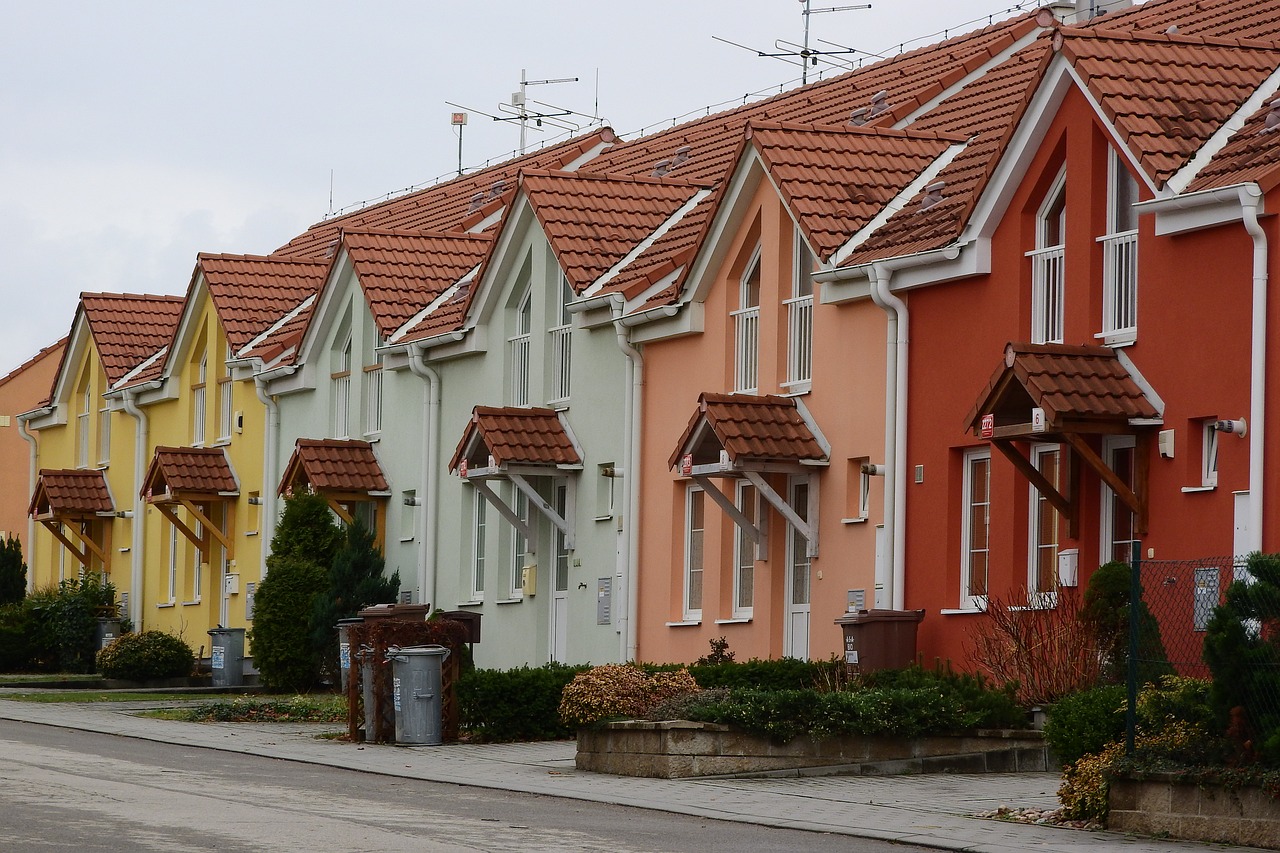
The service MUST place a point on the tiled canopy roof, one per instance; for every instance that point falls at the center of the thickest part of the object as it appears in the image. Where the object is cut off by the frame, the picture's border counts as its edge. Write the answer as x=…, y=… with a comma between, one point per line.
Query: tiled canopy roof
x=1071, y=383
x=333, y=465
x=516, y=436
x=749, y=429
x=251, y=293
x=70, y=493
x=193, y=470
x=402, y=273
x=129, y=328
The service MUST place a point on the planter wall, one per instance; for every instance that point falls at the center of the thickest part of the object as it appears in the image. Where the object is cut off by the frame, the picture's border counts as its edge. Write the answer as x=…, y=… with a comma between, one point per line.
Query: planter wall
x=678, y=749
x=1160, y=805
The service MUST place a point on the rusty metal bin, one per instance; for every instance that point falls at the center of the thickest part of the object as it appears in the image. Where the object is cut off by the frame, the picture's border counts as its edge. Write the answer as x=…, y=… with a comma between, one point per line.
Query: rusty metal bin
x=470, y=618
x=880, y=639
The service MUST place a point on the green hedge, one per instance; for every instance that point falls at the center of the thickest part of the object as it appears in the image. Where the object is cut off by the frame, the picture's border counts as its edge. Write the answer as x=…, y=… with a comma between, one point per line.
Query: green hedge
x=516, y=704
x=782, y=674
x=1083, y=723
x=145, y=656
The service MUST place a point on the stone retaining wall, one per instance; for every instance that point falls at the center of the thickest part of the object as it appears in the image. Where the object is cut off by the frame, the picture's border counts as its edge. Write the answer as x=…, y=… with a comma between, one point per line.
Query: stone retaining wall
x=678, y=749
x=1160, y=805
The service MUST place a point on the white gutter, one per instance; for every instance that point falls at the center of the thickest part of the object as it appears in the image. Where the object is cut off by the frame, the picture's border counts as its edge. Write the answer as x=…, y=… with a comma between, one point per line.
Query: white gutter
x=270, y=466
x=31, y=488
x=430, y=473
x=137, y=527
x=1250, y=202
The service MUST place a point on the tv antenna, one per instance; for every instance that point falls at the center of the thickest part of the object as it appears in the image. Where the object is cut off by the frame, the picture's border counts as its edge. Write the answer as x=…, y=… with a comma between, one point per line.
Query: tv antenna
x=535, y=116
x=802, y=54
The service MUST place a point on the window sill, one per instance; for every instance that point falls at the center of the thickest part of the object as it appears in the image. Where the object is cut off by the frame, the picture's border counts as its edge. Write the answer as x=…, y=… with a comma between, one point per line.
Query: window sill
x=190, y=603
x=860, y=520
x=469, y=604
x=737, y=620
x=688, y=623
x=222, y=442
x=373, y=437
x=1191, y=490
x=964, y=611
x=1117, y=339
x=102, y=466
x=796, y=389
x=406, y=538
x=510, y=600
x=164, y=604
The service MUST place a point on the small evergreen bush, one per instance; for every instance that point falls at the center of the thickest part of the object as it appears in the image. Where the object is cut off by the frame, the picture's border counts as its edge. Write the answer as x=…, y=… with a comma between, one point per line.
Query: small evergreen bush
x=1083, y=723
x=17, y=652
x=145, y=656
x=516, y=704
x=13, y=572
x=65, y=622
x=782, y=674
x=282, y=649
x=355, y=581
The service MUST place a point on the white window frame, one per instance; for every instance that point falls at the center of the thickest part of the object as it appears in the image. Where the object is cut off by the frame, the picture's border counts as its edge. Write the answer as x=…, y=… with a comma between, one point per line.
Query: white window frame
x=82, y=426
x=520, y=347
x=561, y=337
x=746, y=329
x=341, y=381
x=408, y=515
x=479, y=543
x=968, y=599
x=199, y=399
x=173, y=564
x=1119, y=258
x=1209, y=454
x=1110, y=504
x=519, y=545
x=374, y=396
x=104, y=434
x=1035, y=505
x=695, y=553
x=799, y=310
x=560, y=551
x=1048, y=268
x=747, y=500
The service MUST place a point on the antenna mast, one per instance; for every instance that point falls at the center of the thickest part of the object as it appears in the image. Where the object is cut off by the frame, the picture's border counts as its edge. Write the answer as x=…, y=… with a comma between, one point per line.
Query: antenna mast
x=519, y=99
x=805, y=53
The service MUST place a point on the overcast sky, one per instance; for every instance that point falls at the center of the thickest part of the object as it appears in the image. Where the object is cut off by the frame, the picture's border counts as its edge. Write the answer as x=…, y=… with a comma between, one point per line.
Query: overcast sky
x=136, y=134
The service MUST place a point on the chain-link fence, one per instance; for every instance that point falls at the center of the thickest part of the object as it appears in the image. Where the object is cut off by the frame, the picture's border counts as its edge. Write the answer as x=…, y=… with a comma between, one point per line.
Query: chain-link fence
x=1214, y=618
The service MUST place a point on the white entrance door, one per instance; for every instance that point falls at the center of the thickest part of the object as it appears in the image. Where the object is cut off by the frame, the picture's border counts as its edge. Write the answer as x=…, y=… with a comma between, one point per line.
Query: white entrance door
x=796, y=638
x=560, y=584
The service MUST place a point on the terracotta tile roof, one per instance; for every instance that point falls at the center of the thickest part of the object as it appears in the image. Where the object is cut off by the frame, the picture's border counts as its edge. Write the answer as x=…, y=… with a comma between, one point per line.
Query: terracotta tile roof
x=1251, y=19
x=443, y=207
x=1071, y=383
x=448, y=317
x=593, y=220
x=41, y=355
x=204, y=470
x=128, y=328
x=837, y=179
x=749, y=429
x=1167, y=94
x=1252, y=154
x=252, y=292
x=515, y=436
x=401, y=273
x=333, y=465
x=70, y=493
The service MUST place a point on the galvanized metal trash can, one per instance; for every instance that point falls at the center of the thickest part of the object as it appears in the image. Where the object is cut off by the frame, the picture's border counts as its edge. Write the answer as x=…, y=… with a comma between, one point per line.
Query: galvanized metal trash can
x=417, y=693
x=344, y=648
x=227, y=656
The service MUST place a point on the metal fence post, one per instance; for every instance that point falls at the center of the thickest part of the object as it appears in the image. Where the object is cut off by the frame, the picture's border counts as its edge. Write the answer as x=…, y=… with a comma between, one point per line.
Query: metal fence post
x=1135, y=608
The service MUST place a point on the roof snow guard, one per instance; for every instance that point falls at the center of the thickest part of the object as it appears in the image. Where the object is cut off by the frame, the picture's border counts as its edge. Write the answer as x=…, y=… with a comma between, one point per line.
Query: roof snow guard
x=70, y=494
x=333, y=465
x=498, y=440
x=737, y=432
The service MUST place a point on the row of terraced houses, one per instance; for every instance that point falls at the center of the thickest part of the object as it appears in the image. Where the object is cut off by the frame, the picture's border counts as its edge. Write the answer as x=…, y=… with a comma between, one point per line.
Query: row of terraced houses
x=965, y=322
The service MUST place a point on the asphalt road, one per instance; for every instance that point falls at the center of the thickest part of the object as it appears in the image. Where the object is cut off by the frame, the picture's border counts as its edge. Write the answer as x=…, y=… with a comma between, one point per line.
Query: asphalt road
x=72, y=790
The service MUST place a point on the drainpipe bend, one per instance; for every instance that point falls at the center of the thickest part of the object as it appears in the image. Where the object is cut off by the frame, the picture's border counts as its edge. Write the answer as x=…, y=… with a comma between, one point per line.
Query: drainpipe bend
x=430, y=473
x=137, y=526
x=1250, y=203
x=32, y=473
x=629, y=553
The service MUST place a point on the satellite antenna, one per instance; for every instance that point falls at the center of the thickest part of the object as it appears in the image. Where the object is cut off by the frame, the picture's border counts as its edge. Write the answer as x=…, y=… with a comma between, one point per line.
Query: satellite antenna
x=802, y=54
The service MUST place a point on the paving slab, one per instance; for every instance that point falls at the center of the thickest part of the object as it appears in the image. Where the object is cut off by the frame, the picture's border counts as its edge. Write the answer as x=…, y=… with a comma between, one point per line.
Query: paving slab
x=928, y=810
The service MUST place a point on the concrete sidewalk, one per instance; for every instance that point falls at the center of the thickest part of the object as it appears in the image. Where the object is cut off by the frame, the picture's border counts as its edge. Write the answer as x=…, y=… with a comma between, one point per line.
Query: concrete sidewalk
x=931, y=811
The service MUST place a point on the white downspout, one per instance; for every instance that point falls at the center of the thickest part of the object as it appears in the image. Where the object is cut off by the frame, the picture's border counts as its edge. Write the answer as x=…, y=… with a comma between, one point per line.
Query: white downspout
x=631, y=481
x=1250, y=201
x=270, y=461
x=895, y=440
x=430, y=473
x=32, y=472
x=137, y=527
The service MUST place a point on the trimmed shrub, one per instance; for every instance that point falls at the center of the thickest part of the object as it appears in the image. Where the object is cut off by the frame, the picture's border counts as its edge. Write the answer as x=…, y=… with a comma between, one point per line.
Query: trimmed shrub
x=281, y=637
x=146, y=656
x=516, y=704
x=782, y=674
x=65, y=622
x=984, y=704
x=13, y=572
x=1083, y=723
x=619, y=690
x=1106, y=614
x=306, y=531
x=17, y=651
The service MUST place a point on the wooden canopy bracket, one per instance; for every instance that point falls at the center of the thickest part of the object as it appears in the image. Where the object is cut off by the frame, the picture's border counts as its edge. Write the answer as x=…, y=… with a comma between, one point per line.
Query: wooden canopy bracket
x=757, y=533
x=1136, y=498
x=1064, y=504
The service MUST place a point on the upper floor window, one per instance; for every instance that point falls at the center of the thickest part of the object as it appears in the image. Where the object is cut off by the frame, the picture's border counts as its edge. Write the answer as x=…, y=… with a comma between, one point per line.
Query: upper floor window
x=199, y=411
x=341, y=379
x=1120, y=256
x=519, y=346
x=975, y=532
x=82, y=424
x=374, y=377
x=1047, y=266
x=104, y=433
x=562, y=344
x=800, y=316
x=226, y=410
x=746, y=329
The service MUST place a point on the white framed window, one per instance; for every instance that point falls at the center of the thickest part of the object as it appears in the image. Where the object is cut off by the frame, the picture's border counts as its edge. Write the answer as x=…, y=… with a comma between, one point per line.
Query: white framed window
x=199, y=411
x=561, y=335
x=1208, y=454
x=799, y=310
x=518, y=345
x=1043, y=522
x=560, y=561
x=1120, y=256
x=173, y=564
x=744, y=554
x=479, y=542
x=340, y=379
x=374, y=376
x=1119, y=536
x=82, y=426
x=694, y=554
x=1048, y=265
x=746, y=329
x=975, y=531
x=104, y=434
x=519, y=546
x=197, y=567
